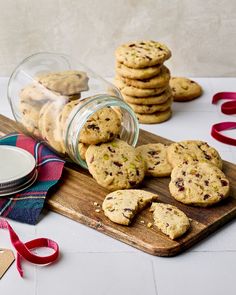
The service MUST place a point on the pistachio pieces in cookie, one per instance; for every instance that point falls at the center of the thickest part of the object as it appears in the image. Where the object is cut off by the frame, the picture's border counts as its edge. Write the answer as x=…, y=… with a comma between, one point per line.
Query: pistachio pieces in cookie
x=155, y=156
x=170, y=220
x=193, y=151
x=102, y=126
x=115, y=165
x=142, y=54
x=121, y=206
x=184, y=89
x=200, y=184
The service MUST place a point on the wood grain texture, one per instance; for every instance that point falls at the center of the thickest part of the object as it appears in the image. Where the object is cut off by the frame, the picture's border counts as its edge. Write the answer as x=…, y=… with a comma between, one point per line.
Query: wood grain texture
x=77, y=191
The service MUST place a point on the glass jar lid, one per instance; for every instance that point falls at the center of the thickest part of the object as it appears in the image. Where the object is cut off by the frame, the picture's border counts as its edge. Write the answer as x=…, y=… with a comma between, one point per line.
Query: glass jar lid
x=17, y=170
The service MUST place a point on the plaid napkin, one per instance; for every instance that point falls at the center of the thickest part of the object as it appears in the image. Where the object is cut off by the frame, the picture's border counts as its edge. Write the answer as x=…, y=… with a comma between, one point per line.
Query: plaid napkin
x=27, y=205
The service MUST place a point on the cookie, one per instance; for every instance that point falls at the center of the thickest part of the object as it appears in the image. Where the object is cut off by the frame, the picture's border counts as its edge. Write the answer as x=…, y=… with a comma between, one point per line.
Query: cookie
x=159, y=99
x=61, y=120
x=137, y=92
x=30, y=115
x=48, y=124
x=82, y=150
x=170, y=220
x=161, y=80
x=152, y=108
x=200, y=184
x=102, y=126
x=154, y=118
x=138, y=74
x=154, y=154
x=192, y=151
x=184, y=89
x=121, y=206
x=115, y=165
x=142, y=54
x=65, y=82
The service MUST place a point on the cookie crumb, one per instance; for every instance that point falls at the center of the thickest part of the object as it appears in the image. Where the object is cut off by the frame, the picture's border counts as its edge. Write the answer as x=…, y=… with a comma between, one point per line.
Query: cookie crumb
x=149, y=225
x=97, y=210
x=142, y=221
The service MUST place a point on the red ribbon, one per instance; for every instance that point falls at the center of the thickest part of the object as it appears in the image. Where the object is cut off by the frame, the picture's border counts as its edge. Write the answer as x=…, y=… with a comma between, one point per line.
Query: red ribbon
x=228, y=108
x=23, y=250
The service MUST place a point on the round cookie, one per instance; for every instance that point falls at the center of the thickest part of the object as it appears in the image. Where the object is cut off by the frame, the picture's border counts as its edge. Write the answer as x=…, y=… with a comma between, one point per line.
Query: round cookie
x=61, y=120
x=184, y=89
x=142, y=54
x=159, y=99
x=138, y=92
x=154, y=118
x=115, y=165
x=152, y=108
x=191, y=151
x=65, y=82
x=102, y=126
x=138, y=74
x=121, y=206
x=170, y=220
x=199, y=184
x=161, y=80
x=154, y=154
x=48, y=124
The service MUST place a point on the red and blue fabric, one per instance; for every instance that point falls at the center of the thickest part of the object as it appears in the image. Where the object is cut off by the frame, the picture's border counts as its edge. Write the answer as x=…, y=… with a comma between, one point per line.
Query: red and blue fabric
x=27, y=205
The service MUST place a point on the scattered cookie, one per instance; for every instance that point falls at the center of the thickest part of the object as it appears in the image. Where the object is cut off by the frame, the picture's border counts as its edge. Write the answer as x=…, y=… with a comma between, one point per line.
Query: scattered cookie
x=158, y=99
x=103, y=126
x=151, y=108
x=121, y=206
x=161, y=80
x=191, y=151
x=154, y=118
x=65, y=82
x=184, y=89
x=142, y=54
x=170, y=220
x=138, y=92
x=115, y=165
x=200, y=184
x=154, y=154
x=138, y=74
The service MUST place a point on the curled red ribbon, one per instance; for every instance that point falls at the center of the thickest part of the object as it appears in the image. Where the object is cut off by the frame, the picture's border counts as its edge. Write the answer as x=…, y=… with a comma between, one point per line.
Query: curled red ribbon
x=228, y=108
x=23, y=249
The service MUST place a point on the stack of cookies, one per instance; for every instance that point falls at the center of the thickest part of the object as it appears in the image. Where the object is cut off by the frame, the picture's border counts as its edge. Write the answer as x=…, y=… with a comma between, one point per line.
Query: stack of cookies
x=143, y=79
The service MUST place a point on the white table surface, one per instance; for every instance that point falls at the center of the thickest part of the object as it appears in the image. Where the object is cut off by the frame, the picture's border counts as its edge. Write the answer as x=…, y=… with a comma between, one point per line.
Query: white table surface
x=93, y=263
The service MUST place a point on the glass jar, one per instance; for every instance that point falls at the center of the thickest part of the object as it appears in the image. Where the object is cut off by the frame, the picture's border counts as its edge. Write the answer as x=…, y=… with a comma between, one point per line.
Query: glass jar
x=56, y=113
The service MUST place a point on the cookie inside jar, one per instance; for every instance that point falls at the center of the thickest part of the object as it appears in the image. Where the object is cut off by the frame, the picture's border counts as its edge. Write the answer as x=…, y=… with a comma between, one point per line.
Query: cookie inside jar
x=67, y=106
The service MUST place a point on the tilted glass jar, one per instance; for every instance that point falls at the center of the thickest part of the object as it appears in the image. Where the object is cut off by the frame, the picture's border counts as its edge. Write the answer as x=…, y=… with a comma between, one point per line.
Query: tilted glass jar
x=56, y=116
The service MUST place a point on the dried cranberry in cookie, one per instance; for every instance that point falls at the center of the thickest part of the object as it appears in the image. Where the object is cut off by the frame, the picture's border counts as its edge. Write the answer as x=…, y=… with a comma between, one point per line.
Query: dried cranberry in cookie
x=115, y=165
x=142, y=54
x=199, y=184
x=121, y=206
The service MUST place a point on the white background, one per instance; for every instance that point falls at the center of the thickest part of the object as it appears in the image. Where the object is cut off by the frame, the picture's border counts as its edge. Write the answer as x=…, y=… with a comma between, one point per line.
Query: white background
x=200, y=33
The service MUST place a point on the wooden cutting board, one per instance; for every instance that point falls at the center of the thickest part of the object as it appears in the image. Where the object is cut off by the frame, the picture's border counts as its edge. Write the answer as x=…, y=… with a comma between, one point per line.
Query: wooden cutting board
x=76, y=193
